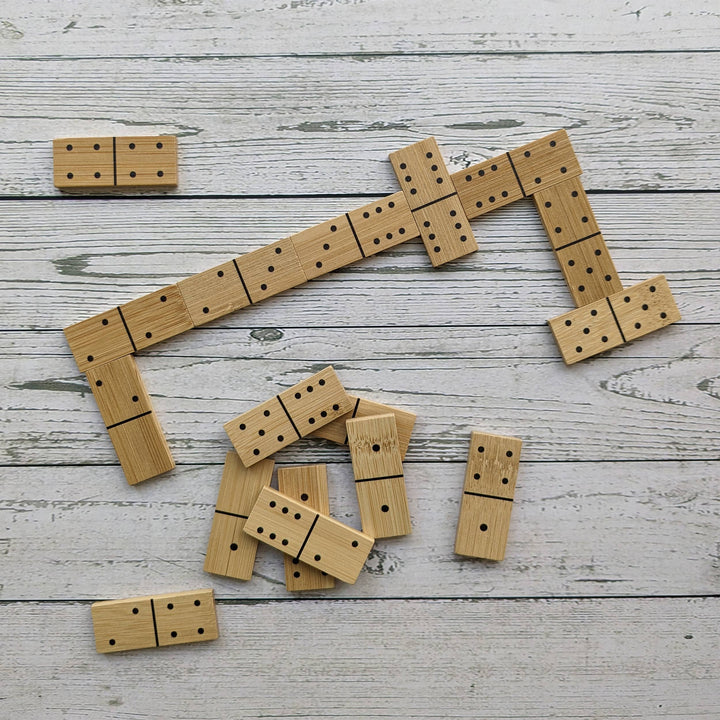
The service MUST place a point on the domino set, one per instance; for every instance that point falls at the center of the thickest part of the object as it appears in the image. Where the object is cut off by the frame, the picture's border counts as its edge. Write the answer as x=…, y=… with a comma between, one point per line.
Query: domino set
x=436, y=206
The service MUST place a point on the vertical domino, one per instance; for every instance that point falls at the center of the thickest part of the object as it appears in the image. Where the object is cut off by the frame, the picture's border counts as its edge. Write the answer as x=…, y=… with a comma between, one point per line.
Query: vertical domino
x=308, y=484
x=615, y=320
x=544, y=162
x=336, y=431
x=287, y=417
x=379, y=478
x=577, y=242
x=115, y=162
x=309, y=536
x=488, y=494
x=154, y=621
x=230, y=551
x=434, y=202
x=127, y=411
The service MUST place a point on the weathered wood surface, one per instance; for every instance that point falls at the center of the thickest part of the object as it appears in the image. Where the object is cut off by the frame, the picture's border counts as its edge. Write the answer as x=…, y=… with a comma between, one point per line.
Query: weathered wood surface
x=80, y=257
x=325, y=27
x=268, y=126
x=656, y=399
x=578, y=529
x=411, y=659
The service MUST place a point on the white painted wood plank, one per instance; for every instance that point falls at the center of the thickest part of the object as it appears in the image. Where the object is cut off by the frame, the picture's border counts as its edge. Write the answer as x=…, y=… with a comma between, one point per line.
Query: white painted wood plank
x=66, y=260
x=578, y=529
x=393, y=659
x=393, y=26
x=625, y=405
x=268, y=126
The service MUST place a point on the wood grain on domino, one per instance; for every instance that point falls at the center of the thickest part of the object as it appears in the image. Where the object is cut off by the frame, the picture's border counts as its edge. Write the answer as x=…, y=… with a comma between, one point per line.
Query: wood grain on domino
x=488, y=492
x=336, y=431
x=230, y=551
x=154, y=621
x=99, y=339
x=308, y=484
x=293, y=528
x=290, y=415
x=379, y=477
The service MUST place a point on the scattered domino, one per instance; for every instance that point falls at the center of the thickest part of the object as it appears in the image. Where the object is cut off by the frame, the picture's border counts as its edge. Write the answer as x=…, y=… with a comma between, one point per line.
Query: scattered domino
x=309, y=536
x=308, y=484
x=614, y=320
x=488, y=495
x=287, y=417
x=379, y=478
x=154, y=621
x=115, y=162
x=336, y=431
x=230, y=551
x=434, y=202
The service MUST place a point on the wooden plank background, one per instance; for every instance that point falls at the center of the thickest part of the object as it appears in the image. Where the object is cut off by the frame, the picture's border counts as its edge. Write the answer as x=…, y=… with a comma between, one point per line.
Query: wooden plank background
x=608, y=602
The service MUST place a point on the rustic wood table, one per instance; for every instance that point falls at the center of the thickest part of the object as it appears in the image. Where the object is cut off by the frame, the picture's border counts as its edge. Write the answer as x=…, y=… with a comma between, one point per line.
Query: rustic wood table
x=608, y=602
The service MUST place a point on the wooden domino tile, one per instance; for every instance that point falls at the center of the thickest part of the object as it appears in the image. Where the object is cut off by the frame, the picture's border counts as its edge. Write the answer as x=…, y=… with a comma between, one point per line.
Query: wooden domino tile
x=145, y=161
x=154, y=621
x=270, y=270
x=487, y=186
x=421, y=172
x=327, y=247
x=545, y=162
x=230, y=551
x=311, y=537
x=336, y=431
x=383, y=224
x=488, y=493
x=115, y=162
x=445, y=231
x=612, y=321
x=292, y=414
x=156, y=316
x=141, y=448
x=213, y=293
x=308, y=484
x=119, y=390
x=99, y=339
x=589, y=270
x=566, y=213
x=644, y=308
x=379, y=479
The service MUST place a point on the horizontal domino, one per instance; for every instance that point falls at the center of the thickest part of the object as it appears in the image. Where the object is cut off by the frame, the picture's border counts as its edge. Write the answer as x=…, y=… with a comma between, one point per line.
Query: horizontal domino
x=615, y=320
x=308, y=484
x=154, y=621
x=327, y=247
x=434, y=202
x=115, y=162
x=383, y=224
x=290, y=415
x=309, y=536
x=379, y=479
x=487, y=186
x=488, y=492
x=230, y=551
x=128, y=414
x=336, y=431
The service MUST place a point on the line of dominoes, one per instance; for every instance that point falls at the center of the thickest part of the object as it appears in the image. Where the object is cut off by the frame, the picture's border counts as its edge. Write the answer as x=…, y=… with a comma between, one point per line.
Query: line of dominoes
x=432, y=204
